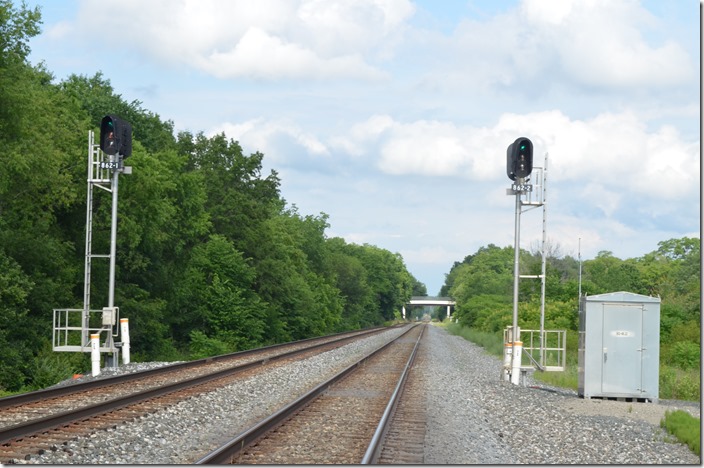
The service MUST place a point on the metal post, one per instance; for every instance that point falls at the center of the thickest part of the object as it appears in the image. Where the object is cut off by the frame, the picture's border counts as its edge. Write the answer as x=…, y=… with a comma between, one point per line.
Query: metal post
x=113, y=249
x=516, y=270
x=579, y=254
x=516, y=274
x=544, y=259
x=89, y=236
x=113, y=240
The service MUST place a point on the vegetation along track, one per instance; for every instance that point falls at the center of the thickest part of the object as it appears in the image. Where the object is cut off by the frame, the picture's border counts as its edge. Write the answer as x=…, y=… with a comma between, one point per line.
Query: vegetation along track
x=43, y=420
x=341, y=421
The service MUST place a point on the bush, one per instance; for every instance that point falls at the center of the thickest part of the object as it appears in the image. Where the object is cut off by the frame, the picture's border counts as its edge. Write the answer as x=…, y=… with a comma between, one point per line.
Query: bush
x=685, y=427
x=680, y=384
x=49, y=369
x=685, y=355
x=202, y=347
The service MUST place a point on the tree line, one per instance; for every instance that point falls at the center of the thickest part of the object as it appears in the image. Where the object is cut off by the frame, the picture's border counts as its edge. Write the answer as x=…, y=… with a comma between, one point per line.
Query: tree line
x=482, y=285
x=210, y=257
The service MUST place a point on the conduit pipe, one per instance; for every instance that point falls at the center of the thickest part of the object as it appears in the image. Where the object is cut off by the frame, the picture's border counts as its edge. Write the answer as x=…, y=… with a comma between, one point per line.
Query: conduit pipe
x=516, y=367
x=508, y=355
x=125, y=335
x=95, y=354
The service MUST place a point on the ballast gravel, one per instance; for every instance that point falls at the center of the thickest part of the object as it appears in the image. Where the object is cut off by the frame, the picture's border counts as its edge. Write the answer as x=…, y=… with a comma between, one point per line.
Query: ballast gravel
x=473, y=416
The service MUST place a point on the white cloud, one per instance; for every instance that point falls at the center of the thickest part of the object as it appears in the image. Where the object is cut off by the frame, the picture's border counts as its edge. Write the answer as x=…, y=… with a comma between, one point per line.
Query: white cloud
x=585, y=44
x=263, y=56
x=266, y=39
x=615, y=150
x=262, y=135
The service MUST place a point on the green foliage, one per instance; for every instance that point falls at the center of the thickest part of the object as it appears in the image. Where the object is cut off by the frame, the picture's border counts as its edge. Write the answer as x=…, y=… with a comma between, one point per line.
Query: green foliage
x=482, y=286
x=210, y=259
x=685, y=355
x=201, y=346
x=565, y=379
x=685, y=427
x=493, y=343
x=678, y=384
x=210, y=256
x=49, y=368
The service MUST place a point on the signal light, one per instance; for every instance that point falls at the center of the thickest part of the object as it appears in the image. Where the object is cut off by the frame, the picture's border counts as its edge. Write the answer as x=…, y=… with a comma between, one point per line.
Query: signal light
x=519, y=158
x=115, y=136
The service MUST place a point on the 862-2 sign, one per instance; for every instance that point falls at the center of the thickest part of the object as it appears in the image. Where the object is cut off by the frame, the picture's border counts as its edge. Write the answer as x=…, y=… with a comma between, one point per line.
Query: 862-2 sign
x=522, y=187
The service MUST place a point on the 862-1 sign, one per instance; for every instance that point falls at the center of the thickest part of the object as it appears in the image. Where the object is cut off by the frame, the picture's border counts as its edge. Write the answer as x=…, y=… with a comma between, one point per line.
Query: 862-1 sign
x=110, y=165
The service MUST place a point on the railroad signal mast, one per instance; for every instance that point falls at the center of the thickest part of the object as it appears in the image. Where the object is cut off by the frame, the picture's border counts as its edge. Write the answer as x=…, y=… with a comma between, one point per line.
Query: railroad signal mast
x=519, y=167
x=80, y=330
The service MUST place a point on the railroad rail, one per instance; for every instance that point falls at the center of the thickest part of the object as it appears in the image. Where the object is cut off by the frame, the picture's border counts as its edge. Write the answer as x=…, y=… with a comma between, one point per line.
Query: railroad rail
x=342, y=420
x=42, y=431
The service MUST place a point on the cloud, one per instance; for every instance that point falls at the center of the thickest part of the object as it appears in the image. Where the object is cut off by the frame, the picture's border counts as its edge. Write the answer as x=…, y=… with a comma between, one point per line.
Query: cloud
x=583, y=44
x=615, y=150
x=282, y=142
x=266, y=39
x=263, y=56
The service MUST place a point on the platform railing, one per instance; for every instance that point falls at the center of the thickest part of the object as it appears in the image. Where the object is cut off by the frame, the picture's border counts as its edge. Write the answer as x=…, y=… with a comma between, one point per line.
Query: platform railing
x=551, y=354
x=69, y=335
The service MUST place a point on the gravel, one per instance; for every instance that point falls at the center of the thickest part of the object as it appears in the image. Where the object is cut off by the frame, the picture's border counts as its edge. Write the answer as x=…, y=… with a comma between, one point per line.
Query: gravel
x=184, y=432
x=473, y=416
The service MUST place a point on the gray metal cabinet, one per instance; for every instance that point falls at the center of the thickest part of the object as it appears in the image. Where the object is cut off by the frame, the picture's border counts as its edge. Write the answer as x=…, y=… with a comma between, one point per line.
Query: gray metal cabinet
x=619, y=346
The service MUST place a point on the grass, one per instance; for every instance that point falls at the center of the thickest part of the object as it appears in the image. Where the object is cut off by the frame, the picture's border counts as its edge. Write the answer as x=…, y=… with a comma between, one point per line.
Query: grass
x=491, y=342
x=685, y=427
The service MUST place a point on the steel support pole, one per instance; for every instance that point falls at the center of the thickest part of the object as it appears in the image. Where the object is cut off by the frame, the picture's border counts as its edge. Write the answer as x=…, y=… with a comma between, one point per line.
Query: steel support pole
x=85, y=319
x=113, y=249
x=515, y=338
x=516, y=270
x=113, y=241
x=543, y=264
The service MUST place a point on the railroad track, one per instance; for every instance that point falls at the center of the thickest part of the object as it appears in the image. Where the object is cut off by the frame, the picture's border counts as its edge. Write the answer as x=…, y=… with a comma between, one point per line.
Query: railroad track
x=44, y=420
x=344, y=420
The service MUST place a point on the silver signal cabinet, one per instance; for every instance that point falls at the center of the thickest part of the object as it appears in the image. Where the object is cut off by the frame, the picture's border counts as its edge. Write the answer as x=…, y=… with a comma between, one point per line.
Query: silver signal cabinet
x=619, y=346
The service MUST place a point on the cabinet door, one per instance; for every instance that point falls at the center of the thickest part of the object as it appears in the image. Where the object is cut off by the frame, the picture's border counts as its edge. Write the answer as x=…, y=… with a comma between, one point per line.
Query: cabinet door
x=622, y=339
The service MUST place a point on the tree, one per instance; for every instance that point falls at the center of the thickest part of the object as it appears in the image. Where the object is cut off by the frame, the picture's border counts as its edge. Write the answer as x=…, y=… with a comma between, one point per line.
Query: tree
x=98, y=98
x=214, y=297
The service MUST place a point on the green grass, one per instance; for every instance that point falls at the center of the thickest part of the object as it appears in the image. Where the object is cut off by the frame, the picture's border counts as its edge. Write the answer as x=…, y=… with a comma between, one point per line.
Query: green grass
x=493, y=343
x=685, y=427
x=564, y=379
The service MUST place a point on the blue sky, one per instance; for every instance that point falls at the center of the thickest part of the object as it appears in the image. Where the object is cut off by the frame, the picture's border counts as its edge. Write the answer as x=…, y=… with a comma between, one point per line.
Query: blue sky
x=393, y=116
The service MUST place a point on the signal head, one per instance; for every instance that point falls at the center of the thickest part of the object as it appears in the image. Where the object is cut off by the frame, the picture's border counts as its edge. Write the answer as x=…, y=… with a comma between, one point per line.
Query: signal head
x=115, y=136
x=519, y=158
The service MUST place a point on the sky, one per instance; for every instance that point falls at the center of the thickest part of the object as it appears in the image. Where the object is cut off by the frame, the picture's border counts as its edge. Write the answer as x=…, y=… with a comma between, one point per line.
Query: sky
x=393, y=116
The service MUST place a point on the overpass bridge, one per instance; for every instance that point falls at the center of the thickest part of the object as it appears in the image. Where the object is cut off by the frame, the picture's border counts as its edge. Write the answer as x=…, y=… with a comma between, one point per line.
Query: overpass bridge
x=429, y=301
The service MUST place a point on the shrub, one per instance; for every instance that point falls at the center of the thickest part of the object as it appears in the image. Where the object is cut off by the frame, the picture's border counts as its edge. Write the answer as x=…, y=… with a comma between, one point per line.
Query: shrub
x=201, y=346
x=48, y=370
x=686, y=355
x=680, y=384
